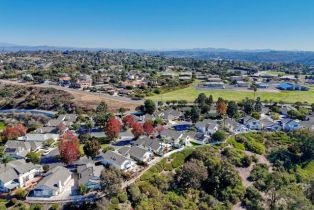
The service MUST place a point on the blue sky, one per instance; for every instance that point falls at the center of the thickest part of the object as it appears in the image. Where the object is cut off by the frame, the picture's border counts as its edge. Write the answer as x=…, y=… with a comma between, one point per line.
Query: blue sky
x=160, y=24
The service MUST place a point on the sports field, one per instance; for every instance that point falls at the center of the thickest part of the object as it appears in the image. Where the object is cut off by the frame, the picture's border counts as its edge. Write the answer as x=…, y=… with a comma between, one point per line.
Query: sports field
x=191, y=93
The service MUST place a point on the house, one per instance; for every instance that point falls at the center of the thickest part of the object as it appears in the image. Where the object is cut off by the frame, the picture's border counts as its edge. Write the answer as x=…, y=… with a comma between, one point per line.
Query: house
x=48, y=129
x=137, y=153
x=196, y=137
x=53, y=182
x=117, y=160
x=65, y=81
x=39, y=137
x=173, y=138
x=88, y=173
x=276, y=126
x=207, y=126
x=290, y=124
x=18, y=149
x=234, y=126
x=153, y=145
x=16, y=174
x=170, y=115
x=69, y=118
x=266, y=122
x=252, y=123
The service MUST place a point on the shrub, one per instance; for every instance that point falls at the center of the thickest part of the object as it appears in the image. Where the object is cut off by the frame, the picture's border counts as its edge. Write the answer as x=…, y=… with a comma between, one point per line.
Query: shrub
x=122, y=197
x=114, y=200
x=13, y=201
x=20, y=193
x=255, y=147
x=36, y=207
x=55, y=206
x=219, y=136
x=236, y=144
x=168, y=167
x=178, y=160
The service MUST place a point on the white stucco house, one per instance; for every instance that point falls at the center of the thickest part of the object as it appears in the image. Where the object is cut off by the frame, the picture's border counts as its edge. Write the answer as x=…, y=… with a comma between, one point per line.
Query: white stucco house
x=117, y=160
x=53, y=183
x=16, y=174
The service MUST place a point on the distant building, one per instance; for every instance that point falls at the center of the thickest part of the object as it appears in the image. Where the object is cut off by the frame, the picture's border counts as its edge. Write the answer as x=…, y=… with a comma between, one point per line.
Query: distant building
x=218, y=85
x=292, y=87
x=85, y=81
x=185, y=75
x=65, y=81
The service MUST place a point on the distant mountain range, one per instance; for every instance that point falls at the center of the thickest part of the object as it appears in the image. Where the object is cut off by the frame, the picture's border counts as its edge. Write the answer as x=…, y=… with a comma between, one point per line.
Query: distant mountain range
x=267, y=55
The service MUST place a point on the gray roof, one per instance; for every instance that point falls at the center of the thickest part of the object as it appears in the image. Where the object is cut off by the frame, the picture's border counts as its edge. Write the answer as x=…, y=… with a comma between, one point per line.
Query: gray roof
x=38, y=137
x=53, y=176
x=7, y=174
x=248, y=119
x=114, y=157
x=134, y=152
x=13, y=145
x=68, y=117
x=153, y=144
x=48, y=129
x=167, y=133
x=266, y=122
x=21, y=166
x=206, y=123
x=12, y=170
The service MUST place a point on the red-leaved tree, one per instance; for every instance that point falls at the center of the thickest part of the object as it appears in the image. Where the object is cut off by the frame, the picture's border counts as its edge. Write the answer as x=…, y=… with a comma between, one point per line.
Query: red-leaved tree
x=128, y=121
x=112, y=128
x=148, y=128
x=137, y=129
x=69, y=147
x=13, y=132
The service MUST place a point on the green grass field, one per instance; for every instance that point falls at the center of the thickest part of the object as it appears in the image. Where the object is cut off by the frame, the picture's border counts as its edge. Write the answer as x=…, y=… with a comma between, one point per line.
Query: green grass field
x=191, y=93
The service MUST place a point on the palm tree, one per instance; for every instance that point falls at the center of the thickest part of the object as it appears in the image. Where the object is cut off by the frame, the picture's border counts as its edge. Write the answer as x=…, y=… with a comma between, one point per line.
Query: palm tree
x=5, y=160
x=254, y=87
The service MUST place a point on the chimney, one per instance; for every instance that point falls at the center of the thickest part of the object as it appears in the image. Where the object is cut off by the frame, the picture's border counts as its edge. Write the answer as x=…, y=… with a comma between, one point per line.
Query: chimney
x=59, y=186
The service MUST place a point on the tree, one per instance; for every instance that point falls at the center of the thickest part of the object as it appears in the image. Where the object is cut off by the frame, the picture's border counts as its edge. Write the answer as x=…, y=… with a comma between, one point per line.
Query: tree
x=34, y=157
x=221, y=107
x=192, y=175
x=137, y=129
x=91, y=148
x=148, y=128
x=232, y=109
x=13, y=132
x=256, y=115
x=195, y=114
x=201, y=99
x=248, y=106
x=90, y=124
x=111, y=181
x=112, y=128
x=102, y=108
x=209, y=101
x=69, y=147
x=254, y=88
x=128, y=120
x=149, y=106
x=219, y=136
x=258, y=105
